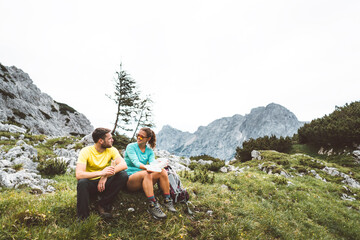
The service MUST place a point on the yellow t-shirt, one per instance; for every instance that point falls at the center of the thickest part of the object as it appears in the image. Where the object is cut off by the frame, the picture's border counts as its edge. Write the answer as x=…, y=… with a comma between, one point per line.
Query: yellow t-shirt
x=96, y=161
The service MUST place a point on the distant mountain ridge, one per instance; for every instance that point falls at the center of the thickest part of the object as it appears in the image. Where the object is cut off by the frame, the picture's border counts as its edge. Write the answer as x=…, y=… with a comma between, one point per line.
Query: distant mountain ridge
x=221, y=137
x=23, y=103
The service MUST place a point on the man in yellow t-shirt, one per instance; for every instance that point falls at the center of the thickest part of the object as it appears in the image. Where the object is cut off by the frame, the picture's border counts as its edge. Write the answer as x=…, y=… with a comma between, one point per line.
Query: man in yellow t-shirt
x=99, y=170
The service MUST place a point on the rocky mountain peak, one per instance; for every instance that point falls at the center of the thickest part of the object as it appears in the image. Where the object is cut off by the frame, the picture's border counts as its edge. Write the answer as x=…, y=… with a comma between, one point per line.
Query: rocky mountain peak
x=24, y=104
x=221, y=137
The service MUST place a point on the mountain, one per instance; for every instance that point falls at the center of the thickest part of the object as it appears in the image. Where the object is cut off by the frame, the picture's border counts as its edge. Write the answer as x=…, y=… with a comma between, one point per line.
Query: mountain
x=23, y=103
x=221, y=137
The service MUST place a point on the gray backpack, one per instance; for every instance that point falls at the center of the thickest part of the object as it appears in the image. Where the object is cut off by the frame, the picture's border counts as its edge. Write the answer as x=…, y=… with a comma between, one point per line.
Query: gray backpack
x=177, y=192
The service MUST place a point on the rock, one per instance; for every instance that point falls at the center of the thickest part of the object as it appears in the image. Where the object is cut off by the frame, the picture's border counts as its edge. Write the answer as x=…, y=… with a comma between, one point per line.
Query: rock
x=223, y=169
x=356, y=153
x=347, y=198
x=25, y=178
x=317, y=176
x=11, y=128
x=285, y=174
x=256, y=155
x=289, y=183
x=175, y=162
x=87, y=140
x=347, y=179
x=204, y=162
x=224, y=187
x=68, y=155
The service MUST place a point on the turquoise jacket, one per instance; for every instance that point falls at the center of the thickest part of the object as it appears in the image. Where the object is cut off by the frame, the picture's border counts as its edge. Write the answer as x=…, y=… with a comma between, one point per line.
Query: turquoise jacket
x=134, y=157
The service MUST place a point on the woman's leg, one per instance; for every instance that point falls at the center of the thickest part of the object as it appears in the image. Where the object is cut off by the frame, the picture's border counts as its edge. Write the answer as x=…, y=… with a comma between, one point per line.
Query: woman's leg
x=164, y=181
x=146, y=181
x=141, y=180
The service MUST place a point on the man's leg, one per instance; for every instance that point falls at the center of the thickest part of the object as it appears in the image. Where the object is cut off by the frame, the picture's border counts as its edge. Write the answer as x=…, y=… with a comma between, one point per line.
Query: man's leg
x=113, y=186
x=85, y=188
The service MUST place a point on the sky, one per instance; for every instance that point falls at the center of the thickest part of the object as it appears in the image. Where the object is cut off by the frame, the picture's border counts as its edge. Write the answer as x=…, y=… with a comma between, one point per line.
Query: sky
x=198, y=60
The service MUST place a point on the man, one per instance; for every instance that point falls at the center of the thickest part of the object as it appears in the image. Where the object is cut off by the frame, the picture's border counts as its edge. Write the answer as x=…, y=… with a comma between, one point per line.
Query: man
x=96, y=174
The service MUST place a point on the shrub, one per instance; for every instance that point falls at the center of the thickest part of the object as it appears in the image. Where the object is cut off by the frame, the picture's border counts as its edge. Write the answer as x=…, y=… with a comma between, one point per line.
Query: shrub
x=65, y=109
x=264, y=143
x=120, y=141
x=18, y=167
x=203, y=157
x=52, y=167
x=200, y=174
x=19, y=113
x=194, y=165
x=214, y=166
x=280, y=180
x=340, y=128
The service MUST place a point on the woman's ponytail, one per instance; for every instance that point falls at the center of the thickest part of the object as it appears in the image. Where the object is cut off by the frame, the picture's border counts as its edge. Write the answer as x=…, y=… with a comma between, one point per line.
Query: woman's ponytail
x=150, y=133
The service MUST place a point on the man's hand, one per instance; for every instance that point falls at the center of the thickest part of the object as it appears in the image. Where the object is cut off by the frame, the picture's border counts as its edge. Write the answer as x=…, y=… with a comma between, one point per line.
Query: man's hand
x=101, y=184
x=108, y=171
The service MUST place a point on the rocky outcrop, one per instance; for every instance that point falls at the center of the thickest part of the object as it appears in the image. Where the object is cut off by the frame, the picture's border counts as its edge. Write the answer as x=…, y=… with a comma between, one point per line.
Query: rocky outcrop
x=22, y=156
x=23, y=103
x=221, y=137
x=18, y=165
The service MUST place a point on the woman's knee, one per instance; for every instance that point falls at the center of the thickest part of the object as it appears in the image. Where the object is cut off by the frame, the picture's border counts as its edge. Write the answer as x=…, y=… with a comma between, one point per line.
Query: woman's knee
x=149, y=177
x=164, y=174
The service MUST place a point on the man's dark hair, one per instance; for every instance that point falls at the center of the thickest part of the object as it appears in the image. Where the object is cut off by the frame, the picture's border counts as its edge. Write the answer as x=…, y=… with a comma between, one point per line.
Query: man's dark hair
x=100, y=133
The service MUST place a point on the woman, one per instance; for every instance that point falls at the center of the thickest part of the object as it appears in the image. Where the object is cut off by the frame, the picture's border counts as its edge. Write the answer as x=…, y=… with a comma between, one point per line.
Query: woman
x=137, y=155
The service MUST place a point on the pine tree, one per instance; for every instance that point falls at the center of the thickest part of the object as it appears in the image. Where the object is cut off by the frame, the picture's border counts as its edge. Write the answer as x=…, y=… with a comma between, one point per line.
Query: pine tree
x=126, y=96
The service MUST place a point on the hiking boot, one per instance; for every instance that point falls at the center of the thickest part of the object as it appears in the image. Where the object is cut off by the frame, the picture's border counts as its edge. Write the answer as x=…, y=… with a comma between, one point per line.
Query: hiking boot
x=168, y=202
x=156, y=211
x=103, y=213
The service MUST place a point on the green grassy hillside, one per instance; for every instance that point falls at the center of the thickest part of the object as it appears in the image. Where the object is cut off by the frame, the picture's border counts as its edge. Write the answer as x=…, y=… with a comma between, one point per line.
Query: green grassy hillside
x=247, y=204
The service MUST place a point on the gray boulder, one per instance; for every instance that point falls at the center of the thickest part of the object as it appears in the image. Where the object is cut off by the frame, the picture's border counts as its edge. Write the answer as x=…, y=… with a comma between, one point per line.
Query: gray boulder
x=26, y=179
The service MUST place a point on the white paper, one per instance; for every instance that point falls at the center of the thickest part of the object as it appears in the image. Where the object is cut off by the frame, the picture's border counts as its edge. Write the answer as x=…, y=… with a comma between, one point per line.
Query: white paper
x=157, y=165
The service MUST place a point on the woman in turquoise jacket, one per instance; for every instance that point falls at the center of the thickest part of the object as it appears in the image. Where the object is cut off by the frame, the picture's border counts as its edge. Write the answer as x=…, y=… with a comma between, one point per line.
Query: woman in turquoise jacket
x=138, y=156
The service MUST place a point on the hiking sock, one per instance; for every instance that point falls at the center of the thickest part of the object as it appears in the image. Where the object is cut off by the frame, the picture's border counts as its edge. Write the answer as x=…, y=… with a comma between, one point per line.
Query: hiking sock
x=166, y=196
x=152, y=198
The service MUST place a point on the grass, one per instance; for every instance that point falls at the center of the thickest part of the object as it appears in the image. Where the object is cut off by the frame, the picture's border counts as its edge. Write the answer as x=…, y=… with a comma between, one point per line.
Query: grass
x=247, y=205
x=250, y=205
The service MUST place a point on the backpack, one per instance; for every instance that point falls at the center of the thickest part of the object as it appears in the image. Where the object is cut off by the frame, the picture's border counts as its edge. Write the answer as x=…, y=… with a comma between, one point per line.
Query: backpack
x=177, y=192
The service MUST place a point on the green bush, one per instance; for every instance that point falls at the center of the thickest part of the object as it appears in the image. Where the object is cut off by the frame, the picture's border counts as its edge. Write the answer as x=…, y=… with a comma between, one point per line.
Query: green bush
x=203, y=157
x=52, y=167
x=340, y=128
x=120, y=141
x=264, y=143
x=200, y=174
x=214, y=166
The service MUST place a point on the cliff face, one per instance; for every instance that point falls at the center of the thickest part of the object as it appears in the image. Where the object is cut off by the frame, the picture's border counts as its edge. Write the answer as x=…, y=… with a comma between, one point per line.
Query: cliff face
x=22, y=102
x=221, y=137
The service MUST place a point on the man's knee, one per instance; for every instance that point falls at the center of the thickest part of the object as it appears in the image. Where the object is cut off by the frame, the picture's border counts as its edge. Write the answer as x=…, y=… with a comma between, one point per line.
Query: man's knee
x=121, y=177
x=82, y=184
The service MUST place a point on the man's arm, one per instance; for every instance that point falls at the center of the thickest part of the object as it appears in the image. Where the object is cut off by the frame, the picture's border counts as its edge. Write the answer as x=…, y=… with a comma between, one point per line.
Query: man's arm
x=82, y=173
x=120, y=164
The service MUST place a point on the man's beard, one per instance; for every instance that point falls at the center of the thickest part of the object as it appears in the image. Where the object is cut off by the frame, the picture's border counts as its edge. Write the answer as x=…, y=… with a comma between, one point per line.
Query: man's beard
x=104, y=145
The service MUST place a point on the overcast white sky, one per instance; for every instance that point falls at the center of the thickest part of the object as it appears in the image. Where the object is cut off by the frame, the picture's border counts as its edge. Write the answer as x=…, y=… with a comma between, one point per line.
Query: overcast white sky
x=200, y=60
